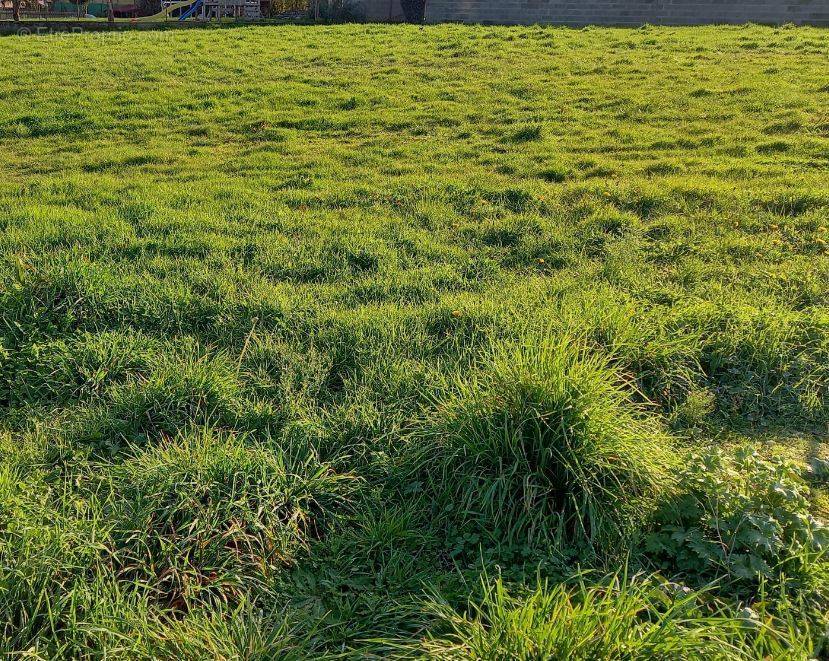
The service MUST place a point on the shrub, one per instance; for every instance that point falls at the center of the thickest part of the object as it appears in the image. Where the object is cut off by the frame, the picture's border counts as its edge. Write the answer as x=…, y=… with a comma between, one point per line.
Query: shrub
x=542, y=444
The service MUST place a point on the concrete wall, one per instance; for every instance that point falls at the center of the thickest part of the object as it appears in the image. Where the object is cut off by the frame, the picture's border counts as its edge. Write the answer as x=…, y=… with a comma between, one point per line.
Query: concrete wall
x=380, y=10
x=629, y=12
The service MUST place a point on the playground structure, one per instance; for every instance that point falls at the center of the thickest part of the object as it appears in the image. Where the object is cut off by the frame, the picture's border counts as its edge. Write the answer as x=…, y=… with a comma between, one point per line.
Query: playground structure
x=142, y=11
x=139, y=11
x=171, y=10
x=207, y=10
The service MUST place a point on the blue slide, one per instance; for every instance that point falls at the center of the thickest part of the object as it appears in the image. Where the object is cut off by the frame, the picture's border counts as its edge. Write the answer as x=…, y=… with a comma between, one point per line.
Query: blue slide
x=193, y=9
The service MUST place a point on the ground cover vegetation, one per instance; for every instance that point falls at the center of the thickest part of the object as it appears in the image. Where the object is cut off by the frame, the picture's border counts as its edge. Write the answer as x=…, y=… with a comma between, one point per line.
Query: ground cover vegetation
x=358, y=341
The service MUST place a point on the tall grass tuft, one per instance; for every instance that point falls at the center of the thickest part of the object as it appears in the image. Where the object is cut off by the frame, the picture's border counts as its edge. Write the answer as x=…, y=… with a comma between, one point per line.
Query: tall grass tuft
x=542, y=443
x=620, y=618
x=207, y=516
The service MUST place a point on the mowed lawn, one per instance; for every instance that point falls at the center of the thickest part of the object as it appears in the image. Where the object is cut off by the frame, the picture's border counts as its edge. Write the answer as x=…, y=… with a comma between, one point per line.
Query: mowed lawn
x=394, y=341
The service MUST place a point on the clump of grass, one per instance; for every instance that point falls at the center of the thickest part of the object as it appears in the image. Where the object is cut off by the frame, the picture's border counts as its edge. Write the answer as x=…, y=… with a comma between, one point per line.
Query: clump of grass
x=242, y=632
x=78, y=369
x=52, y=546
x=529, y=133
x=614, y=223
x=774, y=147
x=642, y=618
x=191, y=390
x=765, y=367
x=554, y=174
x=278, y=371
x=542, y=443
x=208, y=516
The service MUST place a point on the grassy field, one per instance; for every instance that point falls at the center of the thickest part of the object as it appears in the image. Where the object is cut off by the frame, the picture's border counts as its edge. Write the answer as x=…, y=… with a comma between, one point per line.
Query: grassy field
x=459, y=342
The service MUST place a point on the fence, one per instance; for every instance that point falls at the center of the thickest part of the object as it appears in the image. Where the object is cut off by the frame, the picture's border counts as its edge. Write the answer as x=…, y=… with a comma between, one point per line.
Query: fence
x=629, y=12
